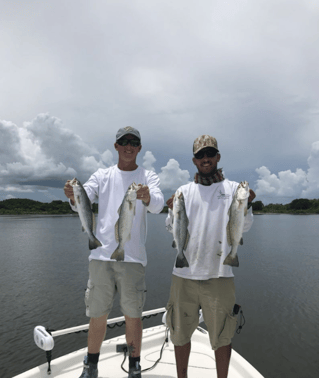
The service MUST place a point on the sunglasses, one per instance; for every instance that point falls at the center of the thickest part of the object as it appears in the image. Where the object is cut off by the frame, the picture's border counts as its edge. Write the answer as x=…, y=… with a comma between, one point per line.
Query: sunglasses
x=132, y=142
x=210, y=152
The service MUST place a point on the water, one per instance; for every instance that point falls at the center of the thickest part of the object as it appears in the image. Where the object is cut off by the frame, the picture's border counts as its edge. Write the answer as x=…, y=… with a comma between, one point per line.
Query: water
x=43, y=275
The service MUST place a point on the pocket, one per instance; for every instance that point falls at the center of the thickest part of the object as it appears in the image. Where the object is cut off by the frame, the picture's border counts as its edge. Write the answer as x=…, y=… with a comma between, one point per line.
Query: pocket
x=141, y=295
x=169, y=316
x=89, y=293
x=228, y=331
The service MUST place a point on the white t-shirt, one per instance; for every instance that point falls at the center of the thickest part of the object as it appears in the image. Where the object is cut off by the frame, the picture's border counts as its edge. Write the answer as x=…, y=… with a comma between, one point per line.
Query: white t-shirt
x=109, y=187
x=207, y=210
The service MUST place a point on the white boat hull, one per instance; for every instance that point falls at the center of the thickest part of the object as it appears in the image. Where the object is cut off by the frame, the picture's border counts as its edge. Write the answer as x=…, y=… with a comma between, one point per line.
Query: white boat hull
x=201, y=363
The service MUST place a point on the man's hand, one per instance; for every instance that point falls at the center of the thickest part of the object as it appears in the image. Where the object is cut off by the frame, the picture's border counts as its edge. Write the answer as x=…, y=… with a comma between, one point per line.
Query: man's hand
x=143, y=193
x=252, y=195
x=68, y=191
x=170, y=201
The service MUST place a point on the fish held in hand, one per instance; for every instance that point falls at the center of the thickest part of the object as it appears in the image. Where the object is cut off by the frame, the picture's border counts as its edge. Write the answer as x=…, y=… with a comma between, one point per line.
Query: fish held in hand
x=124, y=224
x=180, y=230
x=85, y=212
x=235, y=226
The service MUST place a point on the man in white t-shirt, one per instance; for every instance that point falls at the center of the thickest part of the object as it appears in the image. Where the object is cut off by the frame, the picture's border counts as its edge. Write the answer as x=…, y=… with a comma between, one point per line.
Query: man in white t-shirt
x=207, y=283
x=108, y=276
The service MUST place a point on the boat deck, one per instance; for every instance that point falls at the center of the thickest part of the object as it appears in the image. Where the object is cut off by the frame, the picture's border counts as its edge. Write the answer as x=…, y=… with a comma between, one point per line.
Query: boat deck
x=201, y=363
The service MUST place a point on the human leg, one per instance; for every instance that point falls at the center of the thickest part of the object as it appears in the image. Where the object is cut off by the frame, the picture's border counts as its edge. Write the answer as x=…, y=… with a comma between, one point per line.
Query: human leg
x=222, y=358
x=96, y=335
x=182, y=356
x=134, y=329
x=130, y=281
x=99, y=298
x=217, y=302
x=182, y=319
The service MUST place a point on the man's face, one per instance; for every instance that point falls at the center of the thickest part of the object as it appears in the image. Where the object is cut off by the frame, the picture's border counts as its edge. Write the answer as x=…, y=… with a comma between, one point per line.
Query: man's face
x=128, y=152
x=207, y=164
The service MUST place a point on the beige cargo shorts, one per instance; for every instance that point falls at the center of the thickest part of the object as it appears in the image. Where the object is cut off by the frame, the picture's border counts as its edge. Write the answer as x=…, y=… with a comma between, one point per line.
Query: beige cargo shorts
x=216, y=297
x=106, y=278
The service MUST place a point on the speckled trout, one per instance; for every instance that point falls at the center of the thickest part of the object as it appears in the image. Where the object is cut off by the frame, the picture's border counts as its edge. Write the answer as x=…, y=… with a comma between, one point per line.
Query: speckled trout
x=235, y=226
x=85, y=212
x=180, y=231
x=124, y=224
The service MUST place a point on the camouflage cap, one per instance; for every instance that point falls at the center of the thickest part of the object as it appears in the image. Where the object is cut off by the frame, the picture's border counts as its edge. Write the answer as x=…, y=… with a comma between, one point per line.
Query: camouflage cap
x=204, y=141
x=127, y=130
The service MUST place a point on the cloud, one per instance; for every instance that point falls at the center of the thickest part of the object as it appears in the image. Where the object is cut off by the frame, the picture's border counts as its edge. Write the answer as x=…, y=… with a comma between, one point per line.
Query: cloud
x=288, y=184
x=17, y=188
x=172, y=176
x=149, y=160
x=44, y=152
x=312, y=189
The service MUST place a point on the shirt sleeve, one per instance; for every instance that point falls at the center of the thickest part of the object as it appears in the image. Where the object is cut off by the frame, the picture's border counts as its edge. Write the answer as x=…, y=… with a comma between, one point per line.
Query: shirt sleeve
x=157, y=198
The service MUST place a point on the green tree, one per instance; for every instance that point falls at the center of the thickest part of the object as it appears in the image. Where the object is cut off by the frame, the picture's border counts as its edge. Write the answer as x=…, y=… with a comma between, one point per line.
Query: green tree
x=300, y=204
x=257, y=206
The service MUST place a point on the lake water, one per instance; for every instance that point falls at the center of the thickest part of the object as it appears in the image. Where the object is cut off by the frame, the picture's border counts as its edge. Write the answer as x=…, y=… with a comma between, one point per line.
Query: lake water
x=43, y=275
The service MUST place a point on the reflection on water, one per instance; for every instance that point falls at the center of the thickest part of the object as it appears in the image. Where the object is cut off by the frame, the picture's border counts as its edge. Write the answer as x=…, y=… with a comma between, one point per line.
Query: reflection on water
x=43, y=275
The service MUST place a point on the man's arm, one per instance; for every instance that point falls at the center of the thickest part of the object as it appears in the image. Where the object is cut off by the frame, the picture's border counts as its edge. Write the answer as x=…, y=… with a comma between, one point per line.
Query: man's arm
x=152, y=193
x=91, y=187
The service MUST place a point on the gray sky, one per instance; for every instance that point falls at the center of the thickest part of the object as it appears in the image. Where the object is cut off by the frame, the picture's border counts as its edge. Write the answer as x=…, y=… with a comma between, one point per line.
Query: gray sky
x=73, y=72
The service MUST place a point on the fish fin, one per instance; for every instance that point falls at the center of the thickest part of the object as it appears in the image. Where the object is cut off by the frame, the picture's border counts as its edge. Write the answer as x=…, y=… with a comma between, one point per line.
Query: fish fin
x=181, y=261
x=78, y=200
x=186, y=241
x=241, y=241
x=228, y=234
x=118, y=254
x=232, y=261
x=174, y=244
x=245, y=211
x=93, y=244
x=83, y=230
x=117, y=238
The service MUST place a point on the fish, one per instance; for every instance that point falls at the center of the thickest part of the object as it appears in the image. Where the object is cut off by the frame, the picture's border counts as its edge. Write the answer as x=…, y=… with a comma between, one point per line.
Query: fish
x=124, y=223
x=235, y=225
x=180, y=230
x=85, y=212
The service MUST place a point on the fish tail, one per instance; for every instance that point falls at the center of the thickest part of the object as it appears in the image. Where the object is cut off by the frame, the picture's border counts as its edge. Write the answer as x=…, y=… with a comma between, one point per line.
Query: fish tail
x=181, y=261
x=118, y=254
x=232, y=261
x=94, y=243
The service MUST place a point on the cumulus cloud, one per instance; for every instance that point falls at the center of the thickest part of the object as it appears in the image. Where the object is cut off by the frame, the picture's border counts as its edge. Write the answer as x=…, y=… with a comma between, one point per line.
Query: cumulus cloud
x=298, y=184
x=44, y=152
x=149, y=160
x=172, y=176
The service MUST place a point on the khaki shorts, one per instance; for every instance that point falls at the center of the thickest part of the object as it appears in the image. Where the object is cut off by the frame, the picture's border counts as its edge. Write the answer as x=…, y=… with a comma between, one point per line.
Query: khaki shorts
x=216, y=297
x=106, y=278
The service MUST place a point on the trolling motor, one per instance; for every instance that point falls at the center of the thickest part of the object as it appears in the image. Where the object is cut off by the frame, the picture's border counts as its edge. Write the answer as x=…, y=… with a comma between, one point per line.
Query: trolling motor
x=44, y=340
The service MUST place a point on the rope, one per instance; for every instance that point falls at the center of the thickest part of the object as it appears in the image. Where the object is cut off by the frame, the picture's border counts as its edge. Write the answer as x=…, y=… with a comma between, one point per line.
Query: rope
x=156, y=362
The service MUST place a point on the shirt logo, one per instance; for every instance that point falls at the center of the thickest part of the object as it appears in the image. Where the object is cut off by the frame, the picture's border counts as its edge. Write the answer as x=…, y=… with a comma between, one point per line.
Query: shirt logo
x=223, y=196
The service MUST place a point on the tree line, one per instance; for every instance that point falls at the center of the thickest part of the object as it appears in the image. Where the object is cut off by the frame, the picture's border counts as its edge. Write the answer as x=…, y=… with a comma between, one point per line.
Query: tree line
x=297, y=206
x=20, y=206
x=27, y=206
